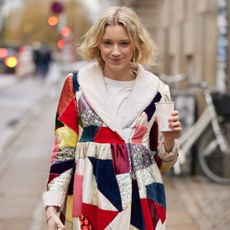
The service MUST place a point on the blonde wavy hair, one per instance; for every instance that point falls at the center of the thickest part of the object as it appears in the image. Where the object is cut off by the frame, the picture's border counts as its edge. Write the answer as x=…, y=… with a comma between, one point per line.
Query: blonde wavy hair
x=144, y=47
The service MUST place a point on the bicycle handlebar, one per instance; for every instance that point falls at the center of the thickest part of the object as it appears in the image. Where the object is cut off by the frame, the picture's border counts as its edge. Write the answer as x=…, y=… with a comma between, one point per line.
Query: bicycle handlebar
x=170, y=79
x=202, y=84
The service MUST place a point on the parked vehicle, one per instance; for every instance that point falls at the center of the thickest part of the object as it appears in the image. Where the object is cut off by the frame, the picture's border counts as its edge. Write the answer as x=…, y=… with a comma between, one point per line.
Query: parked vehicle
x=8, y=59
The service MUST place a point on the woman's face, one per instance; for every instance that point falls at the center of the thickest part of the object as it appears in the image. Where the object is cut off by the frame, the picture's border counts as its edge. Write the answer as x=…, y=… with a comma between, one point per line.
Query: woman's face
x=116, y=48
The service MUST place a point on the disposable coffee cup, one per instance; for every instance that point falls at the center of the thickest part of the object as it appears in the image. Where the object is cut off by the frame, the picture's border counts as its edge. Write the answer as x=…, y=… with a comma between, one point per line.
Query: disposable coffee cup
x=163, y=111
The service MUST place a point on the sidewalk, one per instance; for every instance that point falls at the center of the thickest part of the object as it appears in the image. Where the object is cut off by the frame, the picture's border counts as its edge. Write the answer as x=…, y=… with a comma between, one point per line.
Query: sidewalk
x=178, y=218
x=23, y=172
x=197, y=203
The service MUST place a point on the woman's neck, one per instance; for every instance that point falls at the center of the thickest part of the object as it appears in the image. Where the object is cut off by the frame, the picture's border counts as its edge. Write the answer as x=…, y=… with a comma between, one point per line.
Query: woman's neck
x=123, y=75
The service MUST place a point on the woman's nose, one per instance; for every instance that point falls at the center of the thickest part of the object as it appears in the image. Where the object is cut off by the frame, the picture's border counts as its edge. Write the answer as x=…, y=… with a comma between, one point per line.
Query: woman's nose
x=115, y=50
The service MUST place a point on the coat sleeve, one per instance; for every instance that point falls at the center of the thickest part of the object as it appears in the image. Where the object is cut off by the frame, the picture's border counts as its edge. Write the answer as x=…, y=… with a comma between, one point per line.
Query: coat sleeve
x=165, y=160
x=62, y=162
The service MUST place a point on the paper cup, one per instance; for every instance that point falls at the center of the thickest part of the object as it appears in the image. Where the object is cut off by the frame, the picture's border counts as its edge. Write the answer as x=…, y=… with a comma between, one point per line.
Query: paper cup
x=164, y=110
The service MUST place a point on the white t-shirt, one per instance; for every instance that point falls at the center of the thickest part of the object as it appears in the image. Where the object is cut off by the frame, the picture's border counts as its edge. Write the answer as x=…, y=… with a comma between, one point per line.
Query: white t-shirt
x=118, y=92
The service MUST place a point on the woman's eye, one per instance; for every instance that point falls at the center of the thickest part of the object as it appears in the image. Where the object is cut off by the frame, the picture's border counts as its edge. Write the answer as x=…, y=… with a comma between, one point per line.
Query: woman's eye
x=107, y=43
x=125, y=43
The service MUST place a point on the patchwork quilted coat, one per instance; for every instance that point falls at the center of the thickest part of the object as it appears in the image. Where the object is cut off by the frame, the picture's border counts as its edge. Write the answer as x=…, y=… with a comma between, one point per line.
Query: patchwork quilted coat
x=103, y=176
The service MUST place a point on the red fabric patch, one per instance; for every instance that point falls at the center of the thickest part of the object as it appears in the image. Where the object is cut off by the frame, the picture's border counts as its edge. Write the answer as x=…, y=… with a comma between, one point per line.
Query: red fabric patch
x=66, y=95
x=52, y=176
x=139, y=133
x=120, y=158
x=77, y=196
x=62, y=217
x=147, y=215
x=69, y=116
x=106, y=135
x=152, y=212
x=161, y=212
x=97, y=217
x=158, y=160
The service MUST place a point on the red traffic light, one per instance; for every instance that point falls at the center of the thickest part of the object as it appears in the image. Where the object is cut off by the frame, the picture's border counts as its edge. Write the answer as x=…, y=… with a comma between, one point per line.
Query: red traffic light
x=57, y=7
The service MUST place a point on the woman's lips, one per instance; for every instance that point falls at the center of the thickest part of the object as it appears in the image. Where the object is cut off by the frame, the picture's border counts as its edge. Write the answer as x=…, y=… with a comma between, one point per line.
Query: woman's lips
x=116, y=60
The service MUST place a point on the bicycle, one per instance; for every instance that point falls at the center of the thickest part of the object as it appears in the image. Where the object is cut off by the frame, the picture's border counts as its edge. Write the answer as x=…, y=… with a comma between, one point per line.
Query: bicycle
x=212, y=129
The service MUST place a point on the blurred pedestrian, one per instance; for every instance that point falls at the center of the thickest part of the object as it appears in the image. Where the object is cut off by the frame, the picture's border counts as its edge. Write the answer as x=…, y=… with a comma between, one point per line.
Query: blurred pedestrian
x=42, y=58
x=108, y=154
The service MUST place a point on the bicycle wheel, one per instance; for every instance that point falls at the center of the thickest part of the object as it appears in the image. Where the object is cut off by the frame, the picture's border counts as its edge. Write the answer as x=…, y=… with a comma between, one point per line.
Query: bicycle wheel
x=214, y=163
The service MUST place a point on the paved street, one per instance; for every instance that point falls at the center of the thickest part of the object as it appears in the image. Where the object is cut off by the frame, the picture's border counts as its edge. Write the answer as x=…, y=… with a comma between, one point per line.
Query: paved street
x=193, y=203
x=196, y=203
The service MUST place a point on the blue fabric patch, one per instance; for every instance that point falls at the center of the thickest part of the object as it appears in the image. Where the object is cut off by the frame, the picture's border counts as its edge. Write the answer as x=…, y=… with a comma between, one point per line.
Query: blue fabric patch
x=106, y=180
x=136, y=214
x=89, y=133
x=151, y=108
x=156, y=192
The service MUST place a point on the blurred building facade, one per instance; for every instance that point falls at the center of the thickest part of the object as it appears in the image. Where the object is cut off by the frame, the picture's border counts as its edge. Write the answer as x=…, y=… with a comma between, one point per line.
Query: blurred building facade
x=186, y=33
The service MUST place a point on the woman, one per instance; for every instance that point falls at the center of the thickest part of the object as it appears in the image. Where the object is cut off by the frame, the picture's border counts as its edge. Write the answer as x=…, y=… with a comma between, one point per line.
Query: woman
x=108, y=155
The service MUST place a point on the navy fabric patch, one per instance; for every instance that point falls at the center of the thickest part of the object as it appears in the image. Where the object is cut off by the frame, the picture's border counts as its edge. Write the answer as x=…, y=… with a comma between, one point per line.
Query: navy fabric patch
x=136, y=214
x=89, y=133
x=151, y=108
x=60, y=167
x=156, y=192
x=106, y=180
x=75, y=82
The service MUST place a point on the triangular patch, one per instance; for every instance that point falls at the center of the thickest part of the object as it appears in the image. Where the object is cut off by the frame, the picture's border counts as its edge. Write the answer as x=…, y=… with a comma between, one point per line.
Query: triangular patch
x=161, y=212
x=52, y=176
x=151, y=108
x=99, y=218
x=106, y=135
x=106, y=181
x=69, y=115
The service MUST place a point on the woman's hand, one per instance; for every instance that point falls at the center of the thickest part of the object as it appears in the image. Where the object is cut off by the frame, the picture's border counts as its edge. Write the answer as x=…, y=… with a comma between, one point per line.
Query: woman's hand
x=53, y=219
x=54, y=223
x=170, y=136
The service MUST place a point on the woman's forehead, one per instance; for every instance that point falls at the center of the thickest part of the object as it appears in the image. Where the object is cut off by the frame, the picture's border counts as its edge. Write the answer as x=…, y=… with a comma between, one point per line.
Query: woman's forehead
x=115, y=31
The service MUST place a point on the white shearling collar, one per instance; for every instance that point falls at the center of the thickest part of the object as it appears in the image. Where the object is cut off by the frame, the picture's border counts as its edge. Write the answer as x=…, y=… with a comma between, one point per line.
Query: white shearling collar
x=91, y=81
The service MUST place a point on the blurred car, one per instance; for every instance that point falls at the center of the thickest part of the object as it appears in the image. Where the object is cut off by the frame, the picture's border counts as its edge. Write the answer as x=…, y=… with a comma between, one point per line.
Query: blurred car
x=8, y=59
x=26, y=65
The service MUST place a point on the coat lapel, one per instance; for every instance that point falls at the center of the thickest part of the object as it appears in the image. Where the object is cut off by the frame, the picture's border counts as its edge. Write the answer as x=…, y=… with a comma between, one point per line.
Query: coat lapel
x=145, y=89
x=93, y=86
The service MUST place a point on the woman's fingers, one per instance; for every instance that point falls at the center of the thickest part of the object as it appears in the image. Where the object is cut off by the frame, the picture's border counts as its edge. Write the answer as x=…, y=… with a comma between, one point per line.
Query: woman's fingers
x=176, y=126
x=174, y=116
x=174, y=122
x=58, y=222
x=55, y=223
